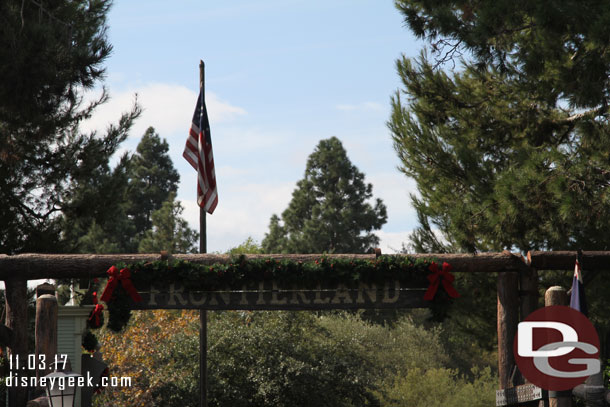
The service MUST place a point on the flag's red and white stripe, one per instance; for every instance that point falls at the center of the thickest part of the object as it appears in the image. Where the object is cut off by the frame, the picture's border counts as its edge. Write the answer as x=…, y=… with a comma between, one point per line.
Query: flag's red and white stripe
x=198, y=152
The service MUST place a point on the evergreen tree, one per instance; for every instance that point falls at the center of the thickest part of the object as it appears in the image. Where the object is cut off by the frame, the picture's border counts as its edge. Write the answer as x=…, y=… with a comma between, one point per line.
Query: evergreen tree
x=558, y=47
x=329, y=211
x=152, y=179
x=118, y=203
x=249, y=246
x=95, y=219
x=511, y=151
x=50, y=52
x=169, y=230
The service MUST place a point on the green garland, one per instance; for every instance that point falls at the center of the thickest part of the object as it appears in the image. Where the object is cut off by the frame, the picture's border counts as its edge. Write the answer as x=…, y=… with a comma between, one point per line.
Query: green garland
x=286, y=273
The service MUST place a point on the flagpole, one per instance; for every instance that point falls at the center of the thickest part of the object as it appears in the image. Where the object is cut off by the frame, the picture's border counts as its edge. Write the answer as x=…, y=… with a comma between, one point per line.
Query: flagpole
x=203, y=320
x=202, y=225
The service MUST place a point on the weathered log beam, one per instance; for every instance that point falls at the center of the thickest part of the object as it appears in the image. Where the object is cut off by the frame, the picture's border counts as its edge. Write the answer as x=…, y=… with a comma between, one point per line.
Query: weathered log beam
x=564, y=260
x=38, y=266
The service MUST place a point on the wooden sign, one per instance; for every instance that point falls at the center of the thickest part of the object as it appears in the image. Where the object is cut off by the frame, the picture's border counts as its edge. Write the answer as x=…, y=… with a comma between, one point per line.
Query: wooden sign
x=267, y=296
x=519, y=394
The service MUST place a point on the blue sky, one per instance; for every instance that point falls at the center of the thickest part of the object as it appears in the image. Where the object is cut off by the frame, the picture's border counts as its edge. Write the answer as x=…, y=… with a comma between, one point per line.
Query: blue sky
x=280, y=76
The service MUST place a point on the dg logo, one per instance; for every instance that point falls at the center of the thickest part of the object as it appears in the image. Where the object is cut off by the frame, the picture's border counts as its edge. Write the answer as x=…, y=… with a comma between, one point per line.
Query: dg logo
x=557, y=348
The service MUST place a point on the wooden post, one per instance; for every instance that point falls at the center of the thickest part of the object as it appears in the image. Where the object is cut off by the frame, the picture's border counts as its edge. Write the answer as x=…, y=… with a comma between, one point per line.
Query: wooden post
x=558, y=296
x=528, y=295
x=203, y=314
x=528, y=290
x=508, y=319
x=555, y=295
x=17, y=320
x=45, y=335
x=46, y=331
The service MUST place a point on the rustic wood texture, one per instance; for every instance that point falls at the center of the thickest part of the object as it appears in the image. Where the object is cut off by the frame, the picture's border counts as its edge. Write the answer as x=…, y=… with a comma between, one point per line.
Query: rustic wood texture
x=565, y=260
x=46, y=331
x=557, y=295
x=508, y=319
x=6, y=336
x=528, y=291
x=45, y=288
x=38, y=266
x=17, y=321
x=529, y=298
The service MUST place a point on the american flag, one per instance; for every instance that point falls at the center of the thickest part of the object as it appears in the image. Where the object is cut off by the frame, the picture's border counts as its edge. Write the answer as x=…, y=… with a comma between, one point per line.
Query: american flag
x=577, y=298
x=198, y=152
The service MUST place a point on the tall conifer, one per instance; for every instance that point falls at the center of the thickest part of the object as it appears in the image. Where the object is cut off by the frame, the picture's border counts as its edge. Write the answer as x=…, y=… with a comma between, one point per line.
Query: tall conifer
x=50, y=53
x=510, y=149
x=329, y=210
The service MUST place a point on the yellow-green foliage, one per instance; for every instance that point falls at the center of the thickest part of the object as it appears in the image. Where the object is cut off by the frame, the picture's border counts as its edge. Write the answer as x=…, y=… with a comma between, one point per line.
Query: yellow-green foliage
x=440, y=387
x=403, y=346
x=288, y=359
x=147, y=352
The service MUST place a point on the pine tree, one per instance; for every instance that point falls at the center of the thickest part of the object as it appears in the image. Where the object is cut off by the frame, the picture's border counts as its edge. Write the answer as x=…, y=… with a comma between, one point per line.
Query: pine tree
x=329, y=211
x=556, y=46
x=510, y=150
x=152, y=179
x=95, y=219
x=509, y=147
x=169, y=231
x=50, y=52
x=119, y=202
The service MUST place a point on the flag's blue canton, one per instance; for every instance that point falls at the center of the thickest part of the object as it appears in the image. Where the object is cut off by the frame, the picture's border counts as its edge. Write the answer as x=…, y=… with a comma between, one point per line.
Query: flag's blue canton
x=201, y=116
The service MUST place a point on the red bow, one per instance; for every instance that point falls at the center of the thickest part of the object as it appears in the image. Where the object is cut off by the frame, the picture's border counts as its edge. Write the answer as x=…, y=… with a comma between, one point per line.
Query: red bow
x=124, y=277
x=437, y=277
x=96, y=316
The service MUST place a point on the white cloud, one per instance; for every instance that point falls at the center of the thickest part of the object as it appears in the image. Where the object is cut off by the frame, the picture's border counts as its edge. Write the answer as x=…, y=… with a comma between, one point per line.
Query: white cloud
x=166, y=107
x=232, y=172
x=242, y=211
x=391, y=242
x=393, y=189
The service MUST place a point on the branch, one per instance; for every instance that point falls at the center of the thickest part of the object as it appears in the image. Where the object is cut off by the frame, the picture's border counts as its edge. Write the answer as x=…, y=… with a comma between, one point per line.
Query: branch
x=578, y=116
x=449, y=55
